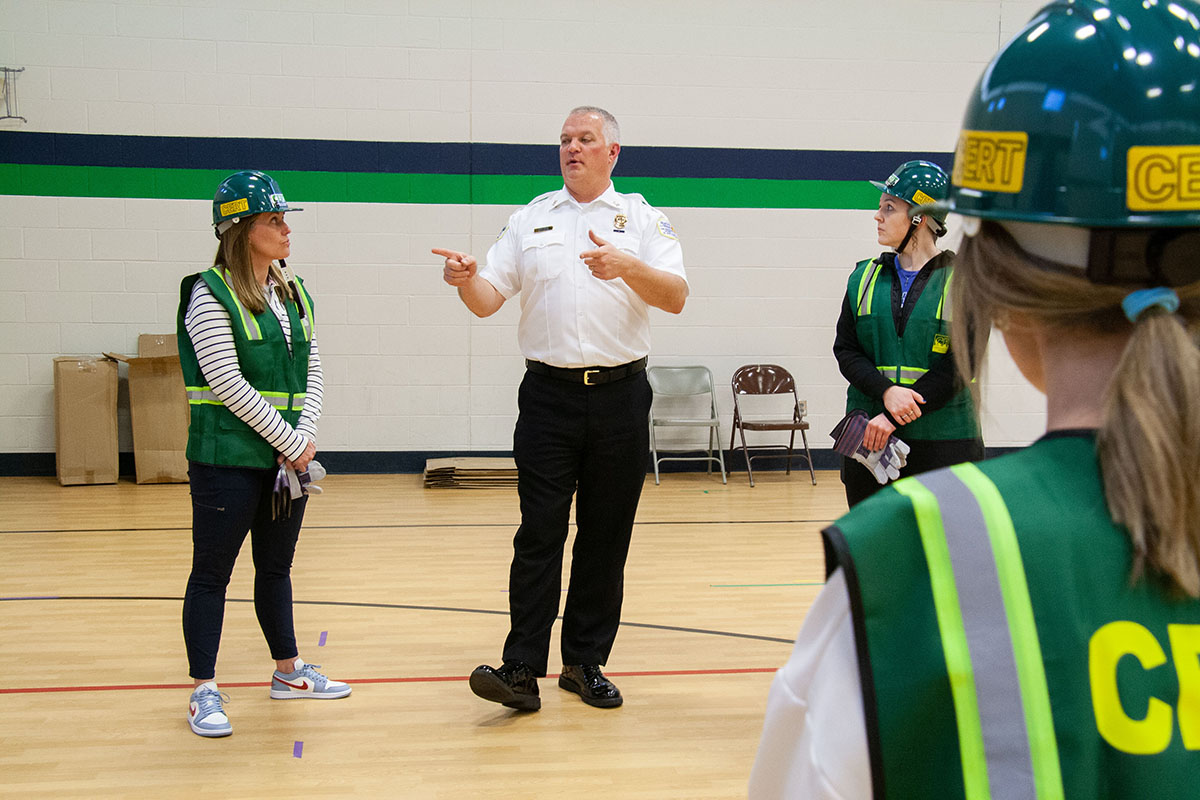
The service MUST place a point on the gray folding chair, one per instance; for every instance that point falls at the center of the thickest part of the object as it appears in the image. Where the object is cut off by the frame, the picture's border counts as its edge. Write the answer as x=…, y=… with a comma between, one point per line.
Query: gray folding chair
x=685, y=397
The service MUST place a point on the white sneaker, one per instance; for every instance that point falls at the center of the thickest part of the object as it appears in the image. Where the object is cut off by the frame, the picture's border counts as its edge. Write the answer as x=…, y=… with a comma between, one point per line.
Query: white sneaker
x=306, y=682
x=206, y=716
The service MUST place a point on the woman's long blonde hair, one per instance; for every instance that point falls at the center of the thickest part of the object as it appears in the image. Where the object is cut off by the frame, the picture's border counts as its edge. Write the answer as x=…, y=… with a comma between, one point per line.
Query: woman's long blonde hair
x=233, y=251
x=1148, y=443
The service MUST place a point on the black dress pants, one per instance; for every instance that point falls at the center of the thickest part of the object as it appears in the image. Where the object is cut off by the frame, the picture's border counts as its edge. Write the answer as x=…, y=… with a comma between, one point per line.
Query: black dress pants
x=926, y=455
x=589, y=442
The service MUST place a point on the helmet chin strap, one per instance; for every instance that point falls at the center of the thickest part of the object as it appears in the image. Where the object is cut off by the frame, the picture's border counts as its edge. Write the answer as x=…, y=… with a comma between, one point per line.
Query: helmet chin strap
x=291, y=282
x=912, y=228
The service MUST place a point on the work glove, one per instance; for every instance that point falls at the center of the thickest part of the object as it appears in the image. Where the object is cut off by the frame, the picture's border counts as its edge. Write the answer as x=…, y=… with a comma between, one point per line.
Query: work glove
x=884, y=464
x=291, y=485
x=308, y=479
x=281, y=495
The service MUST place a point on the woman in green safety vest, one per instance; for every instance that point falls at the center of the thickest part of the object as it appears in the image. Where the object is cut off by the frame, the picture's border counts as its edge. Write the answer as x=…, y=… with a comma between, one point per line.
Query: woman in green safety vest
x=248, y=349
x=1029, y=626
x=893, y=338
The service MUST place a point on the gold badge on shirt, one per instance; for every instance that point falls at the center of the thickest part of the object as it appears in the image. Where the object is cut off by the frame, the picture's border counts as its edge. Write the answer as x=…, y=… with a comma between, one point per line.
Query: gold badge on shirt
x=619, y=222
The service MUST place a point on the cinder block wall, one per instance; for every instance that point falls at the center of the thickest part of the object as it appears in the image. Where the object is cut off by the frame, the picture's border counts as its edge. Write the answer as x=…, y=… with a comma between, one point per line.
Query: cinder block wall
x=794, y=105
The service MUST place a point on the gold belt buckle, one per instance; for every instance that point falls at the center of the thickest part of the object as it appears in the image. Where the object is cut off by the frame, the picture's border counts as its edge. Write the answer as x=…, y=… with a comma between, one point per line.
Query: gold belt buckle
x=587, y=373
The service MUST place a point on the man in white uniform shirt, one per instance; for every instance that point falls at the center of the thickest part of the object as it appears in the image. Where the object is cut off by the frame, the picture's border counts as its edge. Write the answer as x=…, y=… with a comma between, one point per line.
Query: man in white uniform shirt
x=588, y=262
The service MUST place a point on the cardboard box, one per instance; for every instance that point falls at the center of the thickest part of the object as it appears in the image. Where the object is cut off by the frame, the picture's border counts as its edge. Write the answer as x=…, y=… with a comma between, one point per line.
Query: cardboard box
x=158, y=410
x=85, y=420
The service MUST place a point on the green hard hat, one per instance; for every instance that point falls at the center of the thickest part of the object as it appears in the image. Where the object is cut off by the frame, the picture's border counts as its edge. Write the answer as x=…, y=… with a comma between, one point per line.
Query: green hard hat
x=1090, y=116
x=244, y=194
x=919, y=183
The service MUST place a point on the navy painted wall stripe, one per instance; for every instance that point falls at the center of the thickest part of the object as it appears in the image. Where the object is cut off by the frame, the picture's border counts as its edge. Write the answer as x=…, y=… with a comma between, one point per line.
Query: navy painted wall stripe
x=439, y=158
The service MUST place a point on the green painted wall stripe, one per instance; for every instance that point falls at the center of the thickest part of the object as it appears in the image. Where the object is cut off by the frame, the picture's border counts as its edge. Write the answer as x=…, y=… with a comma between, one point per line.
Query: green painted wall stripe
x=373, y=187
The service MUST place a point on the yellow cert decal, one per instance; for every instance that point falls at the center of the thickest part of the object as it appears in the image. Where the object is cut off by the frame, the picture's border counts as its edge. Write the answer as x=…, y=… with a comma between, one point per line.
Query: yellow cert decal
x=234, y=207
x=1163, y=178
x=941, y=343
x=991, y=161
x=922, y=199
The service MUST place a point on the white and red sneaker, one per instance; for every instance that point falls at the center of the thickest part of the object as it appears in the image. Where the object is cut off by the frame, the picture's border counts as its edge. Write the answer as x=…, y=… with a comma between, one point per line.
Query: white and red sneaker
x=206, y=716
x=306, y=682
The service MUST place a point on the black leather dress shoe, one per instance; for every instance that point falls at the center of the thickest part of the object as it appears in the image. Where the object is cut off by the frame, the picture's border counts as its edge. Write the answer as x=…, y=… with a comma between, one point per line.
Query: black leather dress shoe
x=513, y=685
x=587, y=681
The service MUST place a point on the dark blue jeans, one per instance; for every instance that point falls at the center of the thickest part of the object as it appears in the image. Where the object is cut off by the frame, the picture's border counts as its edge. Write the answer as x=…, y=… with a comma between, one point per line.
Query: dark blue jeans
x=228, y=502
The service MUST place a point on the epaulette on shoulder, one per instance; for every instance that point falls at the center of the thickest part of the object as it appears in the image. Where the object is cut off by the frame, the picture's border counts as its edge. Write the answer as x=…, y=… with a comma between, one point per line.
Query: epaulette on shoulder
x=542, y=197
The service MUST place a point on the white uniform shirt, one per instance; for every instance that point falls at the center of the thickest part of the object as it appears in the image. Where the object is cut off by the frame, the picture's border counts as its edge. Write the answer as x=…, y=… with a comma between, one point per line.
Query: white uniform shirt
x=814, y=741
x=569, y=318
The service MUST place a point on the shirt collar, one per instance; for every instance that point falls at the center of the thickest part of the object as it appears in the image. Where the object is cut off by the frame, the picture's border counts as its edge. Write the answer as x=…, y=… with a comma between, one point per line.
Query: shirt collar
x=609, y=198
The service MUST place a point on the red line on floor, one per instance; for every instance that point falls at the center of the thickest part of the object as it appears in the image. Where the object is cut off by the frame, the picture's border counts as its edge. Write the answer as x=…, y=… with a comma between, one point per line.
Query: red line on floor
x=358, y=681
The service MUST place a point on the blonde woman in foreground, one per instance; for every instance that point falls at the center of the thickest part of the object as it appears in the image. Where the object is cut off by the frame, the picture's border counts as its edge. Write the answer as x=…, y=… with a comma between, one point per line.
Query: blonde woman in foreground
x=1029, y=626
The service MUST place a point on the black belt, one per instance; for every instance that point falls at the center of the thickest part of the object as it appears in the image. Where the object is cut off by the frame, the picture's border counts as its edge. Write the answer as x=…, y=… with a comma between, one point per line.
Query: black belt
x=588, y=376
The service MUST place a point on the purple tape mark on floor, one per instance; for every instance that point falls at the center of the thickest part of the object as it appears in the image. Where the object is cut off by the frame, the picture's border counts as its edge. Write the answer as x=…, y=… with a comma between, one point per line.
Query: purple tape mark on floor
x=297, y=750
x=321, y=642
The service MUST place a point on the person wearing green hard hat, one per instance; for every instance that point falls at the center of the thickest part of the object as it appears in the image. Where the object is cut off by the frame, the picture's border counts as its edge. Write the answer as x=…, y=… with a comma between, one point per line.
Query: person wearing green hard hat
x=248, y=350
x=1029, y=626
x=904, y=403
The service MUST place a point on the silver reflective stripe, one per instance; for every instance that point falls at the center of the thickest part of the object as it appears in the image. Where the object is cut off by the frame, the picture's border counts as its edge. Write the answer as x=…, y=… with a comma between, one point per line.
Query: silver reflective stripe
x=197, y=396
x=911, y=374
x=278, y=400
x=998, y=688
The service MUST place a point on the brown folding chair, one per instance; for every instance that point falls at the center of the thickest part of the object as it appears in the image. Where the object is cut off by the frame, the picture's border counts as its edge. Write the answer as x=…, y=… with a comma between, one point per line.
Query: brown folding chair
x=768, y=379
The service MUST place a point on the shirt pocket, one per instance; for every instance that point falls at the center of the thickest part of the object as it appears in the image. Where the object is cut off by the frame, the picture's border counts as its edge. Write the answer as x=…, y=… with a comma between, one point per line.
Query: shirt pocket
x=627, y=246
x=544, y=254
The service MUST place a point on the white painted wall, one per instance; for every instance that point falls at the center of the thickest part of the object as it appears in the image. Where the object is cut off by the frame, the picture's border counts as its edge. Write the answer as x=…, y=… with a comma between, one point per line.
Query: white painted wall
x=407, y=368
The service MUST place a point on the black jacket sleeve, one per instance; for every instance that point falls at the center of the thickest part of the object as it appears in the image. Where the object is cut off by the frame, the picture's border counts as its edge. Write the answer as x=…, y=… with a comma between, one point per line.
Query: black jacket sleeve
x=856, y=366
x=939, y=385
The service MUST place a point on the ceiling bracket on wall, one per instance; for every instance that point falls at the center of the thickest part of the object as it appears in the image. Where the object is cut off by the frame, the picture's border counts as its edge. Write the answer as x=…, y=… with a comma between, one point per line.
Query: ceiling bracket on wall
x=8, y=87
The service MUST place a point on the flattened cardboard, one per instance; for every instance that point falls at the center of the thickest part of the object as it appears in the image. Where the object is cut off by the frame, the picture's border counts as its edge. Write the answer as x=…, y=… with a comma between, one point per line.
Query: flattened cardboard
x=466, y=472
x=158, y=410
x=85, y=420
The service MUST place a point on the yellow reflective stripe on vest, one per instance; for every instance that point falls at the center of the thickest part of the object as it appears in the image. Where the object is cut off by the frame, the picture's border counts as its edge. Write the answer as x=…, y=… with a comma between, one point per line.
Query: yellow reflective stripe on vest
x=280, y=401
x=249, y=323
x=866, y=289
x=309, y=321
x=989, y=639
x=942, y=303
x=901, y=375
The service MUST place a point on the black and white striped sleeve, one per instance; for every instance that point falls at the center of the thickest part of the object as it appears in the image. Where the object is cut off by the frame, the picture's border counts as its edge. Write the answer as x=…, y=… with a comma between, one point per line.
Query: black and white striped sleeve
x=210, y=328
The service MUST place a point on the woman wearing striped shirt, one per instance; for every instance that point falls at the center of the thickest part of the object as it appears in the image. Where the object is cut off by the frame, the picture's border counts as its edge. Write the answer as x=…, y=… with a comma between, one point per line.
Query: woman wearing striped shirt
x=248, y=350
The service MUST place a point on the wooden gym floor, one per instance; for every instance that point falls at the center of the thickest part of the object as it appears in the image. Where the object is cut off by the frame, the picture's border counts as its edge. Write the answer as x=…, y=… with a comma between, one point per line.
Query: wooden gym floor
x=400, y=591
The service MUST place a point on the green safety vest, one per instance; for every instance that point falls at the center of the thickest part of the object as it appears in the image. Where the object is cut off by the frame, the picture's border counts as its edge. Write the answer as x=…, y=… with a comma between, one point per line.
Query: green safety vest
x=904, y=360
x=215, y=434
x=1004, y=652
